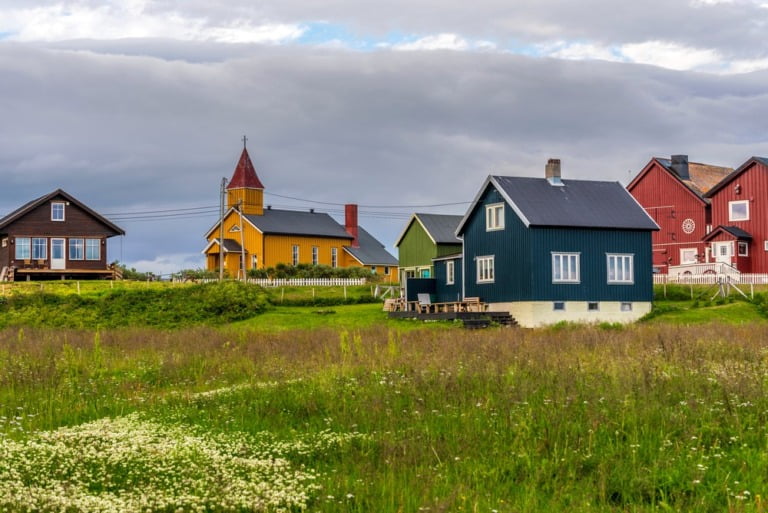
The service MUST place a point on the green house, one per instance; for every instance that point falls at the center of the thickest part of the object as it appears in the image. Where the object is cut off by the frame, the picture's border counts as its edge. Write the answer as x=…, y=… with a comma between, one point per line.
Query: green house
x=426, y=237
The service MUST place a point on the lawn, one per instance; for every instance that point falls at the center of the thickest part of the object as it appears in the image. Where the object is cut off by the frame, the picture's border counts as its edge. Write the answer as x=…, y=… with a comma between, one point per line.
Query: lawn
x=338, y=409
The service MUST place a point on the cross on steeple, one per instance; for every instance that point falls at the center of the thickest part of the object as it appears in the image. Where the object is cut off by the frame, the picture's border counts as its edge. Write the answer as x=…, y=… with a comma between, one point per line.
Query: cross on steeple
x=245, y=139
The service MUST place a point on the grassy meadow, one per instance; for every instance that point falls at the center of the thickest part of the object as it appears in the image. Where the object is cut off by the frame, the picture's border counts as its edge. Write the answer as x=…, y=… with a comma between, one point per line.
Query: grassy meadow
x=334, y=408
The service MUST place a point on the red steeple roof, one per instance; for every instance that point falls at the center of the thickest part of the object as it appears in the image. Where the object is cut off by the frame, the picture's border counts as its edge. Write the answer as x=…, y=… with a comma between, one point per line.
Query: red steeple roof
x=245, y=174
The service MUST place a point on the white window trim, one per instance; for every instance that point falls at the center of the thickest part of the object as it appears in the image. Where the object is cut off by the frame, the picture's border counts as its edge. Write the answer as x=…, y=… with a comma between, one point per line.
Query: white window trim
x=72, y=245
x=450, y=272
x=63, y=211
x=731, y=204
x=44, y=248
x=622, y=256
x=494, y=217
x=315, y=255
x=98, y=250
x=295, y=255
x=481, y=263
x=334, y=257
x=561, y=254
x=745, y=245
x=683, y=251
x=27, y=242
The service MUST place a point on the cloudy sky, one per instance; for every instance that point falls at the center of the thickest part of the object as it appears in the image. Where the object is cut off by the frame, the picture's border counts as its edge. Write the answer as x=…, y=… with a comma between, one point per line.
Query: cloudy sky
x=138, y=107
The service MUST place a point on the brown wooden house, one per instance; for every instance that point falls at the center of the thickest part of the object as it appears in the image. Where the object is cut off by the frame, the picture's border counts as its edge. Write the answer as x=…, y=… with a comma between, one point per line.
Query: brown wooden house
x=55, y=237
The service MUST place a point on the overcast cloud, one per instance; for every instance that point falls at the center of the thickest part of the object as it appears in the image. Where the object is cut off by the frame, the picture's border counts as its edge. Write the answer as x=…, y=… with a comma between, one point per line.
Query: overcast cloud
x=138, y=106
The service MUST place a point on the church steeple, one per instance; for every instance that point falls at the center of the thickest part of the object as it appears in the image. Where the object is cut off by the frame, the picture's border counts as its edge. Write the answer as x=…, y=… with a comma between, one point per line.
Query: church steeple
x=245, y=188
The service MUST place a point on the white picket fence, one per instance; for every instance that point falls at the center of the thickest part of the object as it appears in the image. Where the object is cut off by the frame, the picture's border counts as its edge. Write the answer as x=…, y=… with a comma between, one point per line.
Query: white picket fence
x=307, y=282
x=711, y=279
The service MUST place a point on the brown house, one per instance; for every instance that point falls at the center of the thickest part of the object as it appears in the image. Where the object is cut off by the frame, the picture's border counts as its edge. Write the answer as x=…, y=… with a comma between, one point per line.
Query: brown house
x=55, y=237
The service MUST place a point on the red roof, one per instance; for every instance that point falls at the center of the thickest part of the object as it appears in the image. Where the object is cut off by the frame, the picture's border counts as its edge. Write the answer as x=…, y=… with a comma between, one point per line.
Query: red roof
x=245, y=174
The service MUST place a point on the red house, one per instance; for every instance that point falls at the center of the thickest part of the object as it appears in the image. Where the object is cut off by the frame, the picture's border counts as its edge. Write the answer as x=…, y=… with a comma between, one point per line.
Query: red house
x=674, y=193
x=739, y=206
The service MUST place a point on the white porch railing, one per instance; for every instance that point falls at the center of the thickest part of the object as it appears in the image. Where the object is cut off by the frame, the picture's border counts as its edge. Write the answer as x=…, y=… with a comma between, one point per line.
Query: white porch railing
x=711, y=279
x=307, y=282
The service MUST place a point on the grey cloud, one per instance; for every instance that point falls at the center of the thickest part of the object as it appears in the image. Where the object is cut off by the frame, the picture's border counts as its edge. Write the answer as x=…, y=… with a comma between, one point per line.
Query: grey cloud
x=134, y=133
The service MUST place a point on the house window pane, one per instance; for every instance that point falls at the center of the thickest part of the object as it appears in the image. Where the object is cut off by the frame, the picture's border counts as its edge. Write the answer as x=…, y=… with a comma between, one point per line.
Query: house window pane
x=620, y=269
x=22, y=248
x=57, y=211
x=738, y=210
x=485, y=269
x=76, y=249
x=92, y=249
x=565, y=268
x=743, y=249
x=315, y=253
x=494, y=216
x=334, y=257
x=39, y=248
x=295, y=257
x=449, y=273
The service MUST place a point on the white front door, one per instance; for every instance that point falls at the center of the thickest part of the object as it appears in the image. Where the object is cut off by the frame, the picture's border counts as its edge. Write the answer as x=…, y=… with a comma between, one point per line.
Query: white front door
x=58, y=258
x=722, y=252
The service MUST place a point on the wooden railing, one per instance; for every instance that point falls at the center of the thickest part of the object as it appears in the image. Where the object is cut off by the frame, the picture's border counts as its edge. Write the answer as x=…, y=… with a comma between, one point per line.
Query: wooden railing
x=711, y=279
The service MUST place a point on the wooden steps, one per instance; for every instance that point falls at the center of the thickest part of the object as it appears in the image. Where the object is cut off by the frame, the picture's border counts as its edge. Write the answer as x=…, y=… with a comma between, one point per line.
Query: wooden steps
x=501, y=318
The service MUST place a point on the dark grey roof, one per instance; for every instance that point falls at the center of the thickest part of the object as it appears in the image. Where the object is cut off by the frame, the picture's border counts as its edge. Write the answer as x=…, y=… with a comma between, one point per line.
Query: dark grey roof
x=295, y=222
x=733, y=230
x=577, y=203
x=441, y=227
x=371, y=251
x=231, y=246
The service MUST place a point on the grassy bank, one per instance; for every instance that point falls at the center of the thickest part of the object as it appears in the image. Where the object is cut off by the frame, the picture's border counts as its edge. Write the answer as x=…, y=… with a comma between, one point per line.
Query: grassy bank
x=647, y=418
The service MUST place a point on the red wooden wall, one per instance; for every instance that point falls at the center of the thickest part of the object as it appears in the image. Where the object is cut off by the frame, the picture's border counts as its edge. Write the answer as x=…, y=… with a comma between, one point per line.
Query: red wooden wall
x=750, y=184
x=669, y=202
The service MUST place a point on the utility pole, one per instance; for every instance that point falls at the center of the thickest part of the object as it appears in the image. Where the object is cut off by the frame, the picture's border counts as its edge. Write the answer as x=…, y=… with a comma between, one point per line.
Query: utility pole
x=221, y=228
x=242, y=242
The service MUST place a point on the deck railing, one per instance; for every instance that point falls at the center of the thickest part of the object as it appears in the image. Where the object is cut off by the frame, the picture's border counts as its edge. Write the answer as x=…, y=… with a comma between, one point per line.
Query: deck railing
x=711, y=279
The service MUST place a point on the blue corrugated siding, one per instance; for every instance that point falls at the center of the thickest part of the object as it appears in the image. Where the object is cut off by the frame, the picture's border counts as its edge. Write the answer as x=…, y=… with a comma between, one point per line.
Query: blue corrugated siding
x=510, y=248
x=593, y=247
x=445, y=292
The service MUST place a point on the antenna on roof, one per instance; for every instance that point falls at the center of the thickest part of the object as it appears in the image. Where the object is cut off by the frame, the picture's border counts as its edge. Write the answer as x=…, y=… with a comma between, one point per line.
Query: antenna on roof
x=245, y=139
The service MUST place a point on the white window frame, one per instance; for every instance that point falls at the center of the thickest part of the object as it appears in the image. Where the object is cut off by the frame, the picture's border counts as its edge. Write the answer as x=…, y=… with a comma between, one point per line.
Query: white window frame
x=295, y=255
x=486, y=269
x=626, y=307
x=54, y=210
x=24, y=243
x=732, y=204
x=334, y=257
x=315, y=255
x=562, y=263
x=683, y=251
x=41, y=245
x=742, y=244
x=78, y=246
x=450, y=272
x=624, y=274
x=494, y=217
x=235, y=228
x=90, y=245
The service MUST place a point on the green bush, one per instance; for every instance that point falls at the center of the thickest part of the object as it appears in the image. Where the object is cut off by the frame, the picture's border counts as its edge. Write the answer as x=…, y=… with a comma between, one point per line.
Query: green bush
x=167, y=307
x=285, y=271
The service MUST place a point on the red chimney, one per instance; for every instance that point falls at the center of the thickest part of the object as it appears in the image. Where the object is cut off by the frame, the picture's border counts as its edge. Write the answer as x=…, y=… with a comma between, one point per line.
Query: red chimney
x=350, y=223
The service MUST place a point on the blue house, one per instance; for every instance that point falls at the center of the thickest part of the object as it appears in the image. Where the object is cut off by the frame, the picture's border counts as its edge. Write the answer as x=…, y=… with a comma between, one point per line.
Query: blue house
x=548, y=250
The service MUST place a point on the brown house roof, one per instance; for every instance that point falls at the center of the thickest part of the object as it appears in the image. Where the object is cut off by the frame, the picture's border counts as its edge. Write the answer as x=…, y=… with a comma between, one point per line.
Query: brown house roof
x=703, y=177
x=740, y=170
x=245, y=174
x=27, y=207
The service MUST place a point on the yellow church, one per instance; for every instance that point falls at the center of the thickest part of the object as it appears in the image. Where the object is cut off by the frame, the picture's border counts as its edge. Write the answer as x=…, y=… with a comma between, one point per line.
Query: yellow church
x=255, y=237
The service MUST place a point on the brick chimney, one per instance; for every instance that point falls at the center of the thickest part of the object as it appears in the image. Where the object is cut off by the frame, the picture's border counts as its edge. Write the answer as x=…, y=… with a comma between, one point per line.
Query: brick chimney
x=552, y=172
x=350, y=223
x=680, y=166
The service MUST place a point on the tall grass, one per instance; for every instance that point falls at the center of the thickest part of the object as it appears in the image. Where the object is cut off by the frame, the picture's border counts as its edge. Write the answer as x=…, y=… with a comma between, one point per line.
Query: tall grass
x=646, y=418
